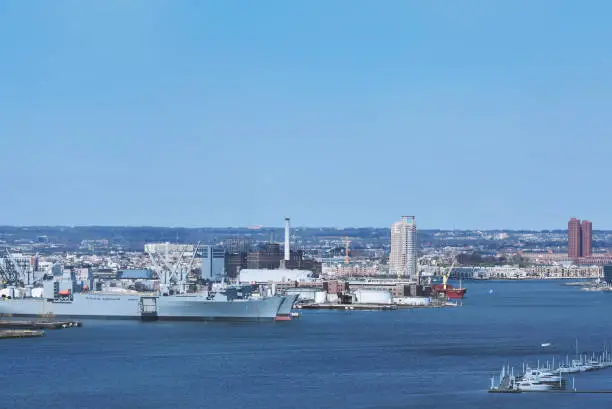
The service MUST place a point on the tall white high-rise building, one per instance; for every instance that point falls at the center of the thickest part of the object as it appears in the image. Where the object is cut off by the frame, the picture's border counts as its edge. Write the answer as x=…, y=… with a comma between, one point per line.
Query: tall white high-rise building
x=403, y=258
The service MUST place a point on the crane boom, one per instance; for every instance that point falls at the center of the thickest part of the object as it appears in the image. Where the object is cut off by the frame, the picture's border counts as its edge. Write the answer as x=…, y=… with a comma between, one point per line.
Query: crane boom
x=445, y=276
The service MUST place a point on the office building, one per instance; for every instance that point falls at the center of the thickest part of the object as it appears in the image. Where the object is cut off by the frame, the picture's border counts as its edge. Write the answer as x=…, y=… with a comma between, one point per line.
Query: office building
x=234, y=262
x=267, y=258
x=403, y=257
x=607, y=274
x=236, y=245
x=213, y=263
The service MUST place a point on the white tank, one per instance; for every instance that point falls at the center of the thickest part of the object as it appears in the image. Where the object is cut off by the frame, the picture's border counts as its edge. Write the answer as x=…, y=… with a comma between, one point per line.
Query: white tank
x=320, y=297
x=363, y=296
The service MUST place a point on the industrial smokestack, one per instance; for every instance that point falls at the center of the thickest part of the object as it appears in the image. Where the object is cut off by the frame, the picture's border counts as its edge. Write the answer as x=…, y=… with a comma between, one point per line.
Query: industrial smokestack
x=287, y=250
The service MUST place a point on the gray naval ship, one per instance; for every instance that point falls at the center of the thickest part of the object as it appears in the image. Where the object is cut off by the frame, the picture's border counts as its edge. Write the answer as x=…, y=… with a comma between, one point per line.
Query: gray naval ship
x=57, y=299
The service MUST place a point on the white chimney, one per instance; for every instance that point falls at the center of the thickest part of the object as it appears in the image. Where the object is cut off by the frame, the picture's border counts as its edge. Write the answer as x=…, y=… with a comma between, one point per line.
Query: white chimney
x=287, y=251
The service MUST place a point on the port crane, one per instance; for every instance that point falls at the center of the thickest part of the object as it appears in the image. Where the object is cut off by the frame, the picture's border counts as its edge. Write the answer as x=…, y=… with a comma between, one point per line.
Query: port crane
x=169, y=273
x=447, y=275
x=8, y=270
x=12, y=273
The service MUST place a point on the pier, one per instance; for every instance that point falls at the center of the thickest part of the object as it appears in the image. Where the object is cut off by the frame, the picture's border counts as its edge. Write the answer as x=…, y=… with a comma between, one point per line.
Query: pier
x=32, y=325
x=551, y=391
x=348, y=307
x=20, y=333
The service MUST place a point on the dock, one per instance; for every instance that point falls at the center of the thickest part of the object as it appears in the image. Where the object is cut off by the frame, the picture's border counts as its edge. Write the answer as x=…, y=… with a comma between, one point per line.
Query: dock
x=551, y=391
x=20, y=333
x=32, y=325
x=348, y=307
x=505, y=391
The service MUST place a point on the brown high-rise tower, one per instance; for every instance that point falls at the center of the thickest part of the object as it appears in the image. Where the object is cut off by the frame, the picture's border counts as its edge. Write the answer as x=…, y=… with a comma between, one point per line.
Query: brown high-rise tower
x=574, y=238
x=586, y=236
x=579, y=238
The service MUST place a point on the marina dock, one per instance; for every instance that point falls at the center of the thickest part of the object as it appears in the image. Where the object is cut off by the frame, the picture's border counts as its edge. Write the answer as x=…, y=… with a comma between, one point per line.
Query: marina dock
x=550, y=378
x=20, y=333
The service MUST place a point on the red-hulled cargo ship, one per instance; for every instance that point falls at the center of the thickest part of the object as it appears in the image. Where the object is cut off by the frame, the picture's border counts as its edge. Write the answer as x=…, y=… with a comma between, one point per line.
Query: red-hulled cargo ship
x=451, y=292
x=448, y=290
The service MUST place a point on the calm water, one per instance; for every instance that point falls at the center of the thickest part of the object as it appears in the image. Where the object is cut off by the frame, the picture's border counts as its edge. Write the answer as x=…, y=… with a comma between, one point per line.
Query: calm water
x=396, y=359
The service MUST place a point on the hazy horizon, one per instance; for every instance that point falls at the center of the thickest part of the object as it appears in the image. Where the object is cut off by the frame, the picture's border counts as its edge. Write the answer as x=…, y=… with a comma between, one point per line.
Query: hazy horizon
x=277, y=227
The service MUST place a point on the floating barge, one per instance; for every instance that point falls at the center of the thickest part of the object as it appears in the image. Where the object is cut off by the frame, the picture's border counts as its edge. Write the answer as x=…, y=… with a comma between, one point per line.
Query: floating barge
x=14, y=324
x=20, y=333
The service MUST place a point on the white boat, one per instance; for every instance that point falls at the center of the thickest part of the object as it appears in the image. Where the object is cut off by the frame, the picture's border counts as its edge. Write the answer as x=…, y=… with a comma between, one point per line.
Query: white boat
x=567, y=369
x=581, y=366
x=546, y=344
x=540, y=376
x=533, y=386
x=595, y=364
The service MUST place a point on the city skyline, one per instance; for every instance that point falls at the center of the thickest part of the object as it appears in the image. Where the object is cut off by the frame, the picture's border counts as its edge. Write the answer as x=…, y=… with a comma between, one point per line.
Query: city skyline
x=200, y=114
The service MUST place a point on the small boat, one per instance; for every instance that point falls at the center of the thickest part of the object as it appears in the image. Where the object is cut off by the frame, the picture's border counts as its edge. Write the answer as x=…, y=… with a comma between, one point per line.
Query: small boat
x=567, y=369
x=546, y=344
x=539, y=376
x=581, y=366
x=595, y=364
x=533, y=386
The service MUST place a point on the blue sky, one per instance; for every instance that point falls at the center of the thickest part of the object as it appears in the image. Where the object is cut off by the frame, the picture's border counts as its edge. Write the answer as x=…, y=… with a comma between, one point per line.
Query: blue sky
x=466, y=114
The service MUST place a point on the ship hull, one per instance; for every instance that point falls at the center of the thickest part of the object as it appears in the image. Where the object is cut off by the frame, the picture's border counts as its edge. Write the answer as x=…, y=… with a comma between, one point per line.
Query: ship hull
x=455, y=293
x=284, y=311
x=450, y=292
x=181, y=308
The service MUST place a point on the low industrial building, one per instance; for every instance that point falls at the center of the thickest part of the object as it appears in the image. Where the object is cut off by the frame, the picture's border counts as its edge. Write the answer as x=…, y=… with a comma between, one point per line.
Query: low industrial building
x=365, y=296
x=274, y=275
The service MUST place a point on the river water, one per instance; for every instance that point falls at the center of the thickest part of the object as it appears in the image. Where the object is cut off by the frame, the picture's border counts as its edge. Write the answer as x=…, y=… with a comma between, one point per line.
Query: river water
x=426, y=358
